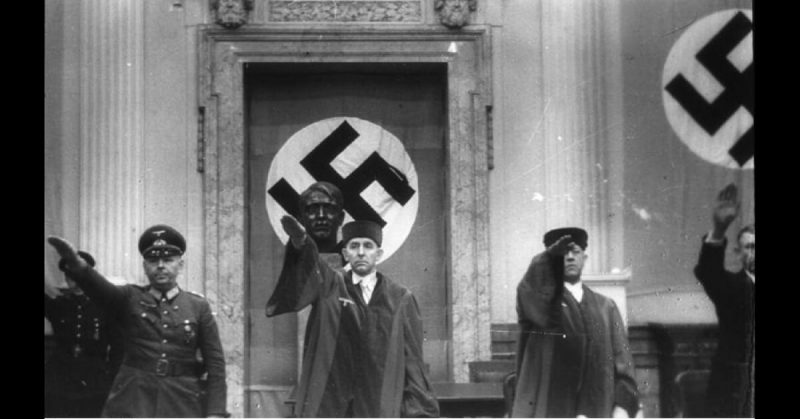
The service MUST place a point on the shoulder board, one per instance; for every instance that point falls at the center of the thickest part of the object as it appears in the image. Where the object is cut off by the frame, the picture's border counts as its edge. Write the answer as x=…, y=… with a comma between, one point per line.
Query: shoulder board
x=140, y=287
x=197, y=294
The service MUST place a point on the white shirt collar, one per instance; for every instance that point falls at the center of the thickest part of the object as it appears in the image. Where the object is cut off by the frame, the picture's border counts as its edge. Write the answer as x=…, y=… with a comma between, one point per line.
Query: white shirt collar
x=368, y=281
x=751, y=276
x=367, y=284
x=575, y=289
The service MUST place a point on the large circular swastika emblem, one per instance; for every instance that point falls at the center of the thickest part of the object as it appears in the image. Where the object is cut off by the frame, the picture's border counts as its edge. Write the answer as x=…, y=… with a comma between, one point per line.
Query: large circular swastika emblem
x=708, y=88
x=368, y=163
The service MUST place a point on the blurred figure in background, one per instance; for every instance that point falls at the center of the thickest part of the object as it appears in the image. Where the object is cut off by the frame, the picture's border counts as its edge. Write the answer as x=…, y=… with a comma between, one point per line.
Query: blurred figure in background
x=87, y=354
x=730, y=387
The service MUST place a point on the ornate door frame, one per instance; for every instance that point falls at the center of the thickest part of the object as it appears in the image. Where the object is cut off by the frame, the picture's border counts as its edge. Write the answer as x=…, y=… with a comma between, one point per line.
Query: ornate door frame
x=222, y=56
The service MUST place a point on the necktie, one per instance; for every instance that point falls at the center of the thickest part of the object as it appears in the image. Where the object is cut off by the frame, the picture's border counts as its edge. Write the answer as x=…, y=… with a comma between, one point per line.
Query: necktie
x=366, y=292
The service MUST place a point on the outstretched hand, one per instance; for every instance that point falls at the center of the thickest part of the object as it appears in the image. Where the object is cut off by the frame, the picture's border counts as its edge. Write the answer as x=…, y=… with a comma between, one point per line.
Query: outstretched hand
x=294, y=229
x=726, y=209
x=66, y=251
x=561, y=246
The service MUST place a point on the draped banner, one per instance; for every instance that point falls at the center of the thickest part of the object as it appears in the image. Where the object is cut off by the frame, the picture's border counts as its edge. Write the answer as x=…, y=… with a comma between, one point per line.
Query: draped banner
x=708, y=88
x=368, y=163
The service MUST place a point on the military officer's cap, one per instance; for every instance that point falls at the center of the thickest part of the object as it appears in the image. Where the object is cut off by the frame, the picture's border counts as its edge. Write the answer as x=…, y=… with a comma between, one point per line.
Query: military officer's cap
x=62, y=264
x=362, y=228
x=579, y=236
x=161, y=240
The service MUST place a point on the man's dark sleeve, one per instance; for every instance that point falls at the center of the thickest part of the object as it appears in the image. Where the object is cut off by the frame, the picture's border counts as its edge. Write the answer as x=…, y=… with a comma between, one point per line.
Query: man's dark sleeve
x=304, y=277
x=49, y=307
x=106, y=295
x=626, y=393
x=539, y=290
x=710, y=269
x=418, y=397
x=214, y=359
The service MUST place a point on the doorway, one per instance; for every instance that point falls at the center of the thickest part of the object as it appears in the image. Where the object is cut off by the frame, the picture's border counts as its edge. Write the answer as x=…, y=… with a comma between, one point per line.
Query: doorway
x=409, y=100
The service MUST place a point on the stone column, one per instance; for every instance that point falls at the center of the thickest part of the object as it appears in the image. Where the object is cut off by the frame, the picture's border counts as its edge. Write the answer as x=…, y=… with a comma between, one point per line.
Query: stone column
x=582, y=126
x=111, y=140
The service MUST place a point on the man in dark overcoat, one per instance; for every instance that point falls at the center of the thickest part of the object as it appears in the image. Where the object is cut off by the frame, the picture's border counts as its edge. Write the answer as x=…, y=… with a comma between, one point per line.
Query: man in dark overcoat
x=730, y=387
x=173, y=364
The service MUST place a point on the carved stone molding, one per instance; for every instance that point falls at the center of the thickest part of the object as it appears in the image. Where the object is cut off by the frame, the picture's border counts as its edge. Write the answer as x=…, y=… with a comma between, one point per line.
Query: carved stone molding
x=455, y=13
x=223, y=56
x=231, y=14
x=345, y=11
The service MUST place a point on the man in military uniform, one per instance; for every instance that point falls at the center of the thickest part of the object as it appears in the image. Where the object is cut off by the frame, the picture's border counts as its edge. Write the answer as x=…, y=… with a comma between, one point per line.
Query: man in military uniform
x=164, y=328
x=88, y=350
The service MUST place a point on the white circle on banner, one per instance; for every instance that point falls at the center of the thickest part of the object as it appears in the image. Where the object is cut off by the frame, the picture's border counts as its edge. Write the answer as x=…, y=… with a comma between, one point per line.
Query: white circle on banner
x=715, y=147
x=371, y=138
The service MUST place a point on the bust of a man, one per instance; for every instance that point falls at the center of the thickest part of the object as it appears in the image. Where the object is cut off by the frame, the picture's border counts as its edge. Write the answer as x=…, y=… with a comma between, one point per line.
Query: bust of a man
x=321, y=214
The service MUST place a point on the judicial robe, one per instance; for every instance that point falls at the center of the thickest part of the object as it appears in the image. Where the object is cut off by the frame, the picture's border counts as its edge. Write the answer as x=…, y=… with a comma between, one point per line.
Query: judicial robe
x=573, y=357
x=362, y=360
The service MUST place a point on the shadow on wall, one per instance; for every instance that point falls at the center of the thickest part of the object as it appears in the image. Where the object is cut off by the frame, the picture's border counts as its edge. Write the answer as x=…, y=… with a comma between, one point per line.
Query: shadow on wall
x=671, y=306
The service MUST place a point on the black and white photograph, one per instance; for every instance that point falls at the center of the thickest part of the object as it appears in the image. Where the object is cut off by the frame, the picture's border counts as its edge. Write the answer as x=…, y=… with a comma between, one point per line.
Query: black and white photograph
x=399, y=208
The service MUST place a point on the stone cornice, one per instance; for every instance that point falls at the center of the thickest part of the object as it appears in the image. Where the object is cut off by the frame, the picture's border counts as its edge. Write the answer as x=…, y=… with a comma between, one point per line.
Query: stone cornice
x=607, y=278
x=334, y=33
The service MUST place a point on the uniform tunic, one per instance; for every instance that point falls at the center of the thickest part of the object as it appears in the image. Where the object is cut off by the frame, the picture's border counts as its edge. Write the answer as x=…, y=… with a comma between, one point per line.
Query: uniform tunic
x=88, y=350
x=161, y=373
x=362, y=360
x=573, y=357
x=730, y=387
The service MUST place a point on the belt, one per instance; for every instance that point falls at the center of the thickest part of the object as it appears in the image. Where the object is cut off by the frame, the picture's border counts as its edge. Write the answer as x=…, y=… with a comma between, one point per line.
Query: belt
x=165, y=367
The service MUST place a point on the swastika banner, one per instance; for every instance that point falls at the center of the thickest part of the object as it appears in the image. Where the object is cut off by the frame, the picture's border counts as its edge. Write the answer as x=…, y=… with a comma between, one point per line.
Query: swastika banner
x=368, y=163
x=708, y=88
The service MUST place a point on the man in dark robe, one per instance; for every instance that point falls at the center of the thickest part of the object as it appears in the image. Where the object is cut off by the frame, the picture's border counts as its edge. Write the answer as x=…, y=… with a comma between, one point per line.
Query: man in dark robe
x=363, y=353
x=730, y=387
x=573, y=358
